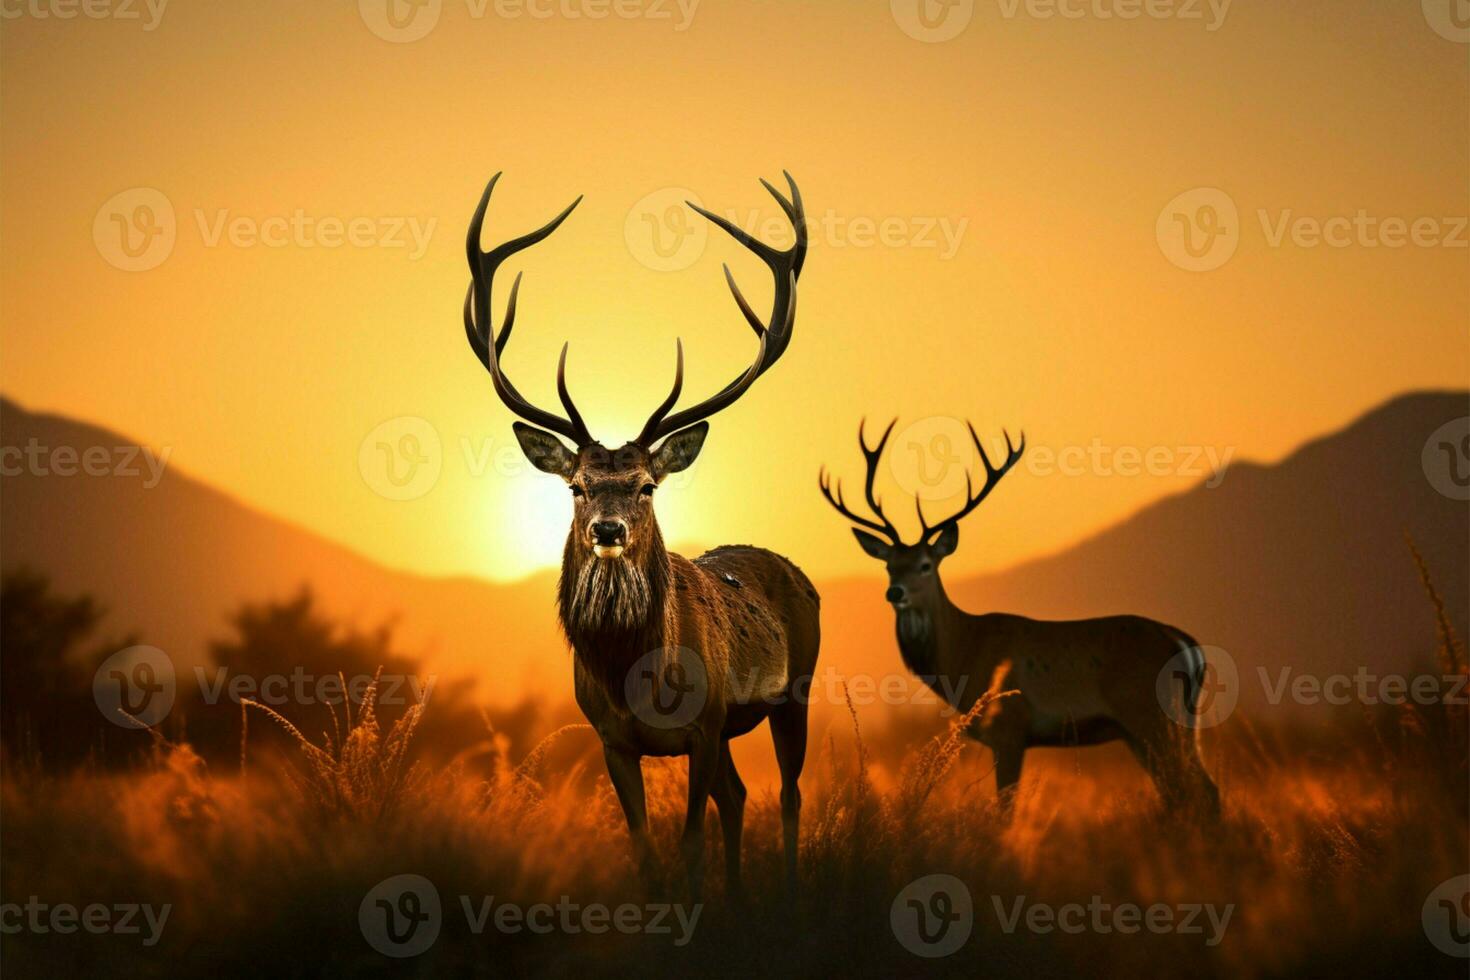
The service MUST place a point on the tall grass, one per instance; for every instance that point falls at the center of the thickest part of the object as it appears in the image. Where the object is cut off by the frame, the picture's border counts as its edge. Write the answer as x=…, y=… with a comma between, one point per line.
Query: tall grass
x=1325, y=863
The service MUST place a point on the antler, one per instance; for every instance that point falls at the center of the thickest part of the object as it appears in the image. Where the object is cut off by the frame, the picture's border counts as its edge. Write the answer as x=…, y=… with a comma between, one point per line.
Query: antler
x=870, y=459
x=992, y=477
x=488, y=345
x=775, y=334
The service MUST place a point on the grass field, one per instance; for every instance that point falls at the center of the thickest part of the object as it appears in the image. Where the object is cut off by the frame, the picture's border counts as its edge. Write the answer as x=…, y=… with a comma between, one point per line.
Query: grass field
x=1322, y=862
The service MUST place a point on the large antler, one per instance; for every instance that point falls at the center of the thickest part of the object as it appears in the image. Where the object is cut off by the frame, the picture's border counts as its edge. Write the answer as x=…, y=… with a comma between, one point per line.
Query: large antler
x=488, y=344
x=992, y=477
x=883, y=525
x=775, y=334
x=870, y=458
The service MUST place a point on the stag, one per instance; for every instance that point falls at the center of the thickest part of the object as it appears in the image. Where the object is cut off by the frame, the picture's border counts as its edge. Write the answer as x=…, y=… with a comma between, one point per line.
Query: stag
x=670, y=656
x=1079, y=682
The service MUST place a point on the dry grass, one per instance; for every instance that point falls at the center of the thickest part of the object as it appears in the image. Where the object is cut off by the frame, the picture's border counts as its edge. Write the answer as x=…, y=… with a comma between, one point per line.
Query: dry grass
x=1326, y=866
x=1325, y=859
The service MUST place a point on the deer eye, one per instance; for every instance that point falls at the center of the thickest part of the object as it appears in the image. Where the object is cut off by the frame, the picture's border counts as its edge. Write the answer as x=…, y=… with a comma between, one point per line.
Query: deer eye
x=928, y=566
x=577, y=491
x=648, y=489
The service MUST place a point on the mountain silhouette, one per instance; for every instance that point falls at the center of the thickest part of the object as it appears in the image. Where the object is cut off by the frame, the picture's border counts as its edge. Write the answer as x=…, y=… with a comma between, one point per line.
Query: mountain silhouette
x=171, y=560
x=1301, y=564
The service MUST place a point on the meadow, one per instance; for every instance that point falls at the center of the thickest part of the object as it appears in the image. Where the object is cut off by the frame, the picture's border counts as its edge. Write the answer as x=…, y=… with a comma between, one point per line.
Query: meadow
x=1321, y=864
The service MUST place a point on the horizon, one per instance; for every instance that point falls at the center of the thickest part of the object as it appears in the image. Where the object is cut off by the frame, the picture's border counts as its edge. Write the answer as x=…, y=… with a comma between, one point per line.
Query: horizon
x=866, y=572
x=1007, y=252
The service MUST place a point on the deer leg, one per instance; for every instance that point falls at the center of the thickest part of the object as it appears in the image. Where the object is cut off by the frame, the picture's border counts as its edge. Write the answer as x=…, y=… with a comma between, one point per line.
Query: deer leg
x=1171, y=756
x=1008, y=759
x=704, y=765
x=1209, y=794
x=1172, y=759
x=729, y=796
x=626, y=771
x=788, y=732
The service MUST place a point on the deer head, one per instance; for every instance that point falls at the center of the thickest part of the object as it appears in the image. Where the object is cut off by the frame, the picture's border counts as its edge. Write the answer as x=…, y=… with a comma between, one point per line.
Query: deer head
x=613, y=518
x=913, y=569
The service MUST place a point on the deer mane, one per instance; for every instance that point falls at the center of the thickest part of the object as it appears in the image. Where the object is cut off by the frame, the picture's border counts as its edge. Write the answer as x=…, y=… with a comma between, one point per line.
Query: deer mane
x=612, y=612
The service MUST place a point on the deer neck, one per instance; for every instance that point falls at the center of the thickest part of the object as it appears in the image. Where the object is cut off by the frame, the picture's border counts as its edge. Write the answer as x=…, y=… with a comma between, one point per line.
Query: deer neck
x=614, y=611
x=930, y=641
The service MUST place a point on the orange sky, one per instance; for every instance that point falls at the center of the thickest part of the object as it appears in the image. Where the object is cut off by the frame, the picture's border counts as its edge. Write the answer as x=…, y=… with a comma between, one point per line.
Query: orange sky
x=1025, y=275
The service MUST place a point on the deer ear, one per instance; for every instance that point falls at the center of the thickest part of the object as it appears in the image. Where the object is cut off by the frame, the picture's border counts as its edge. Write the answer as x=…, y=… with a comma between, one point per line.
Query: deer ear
x=679, y=450
x=545, y=451
x=875, y=547
x=947, y=542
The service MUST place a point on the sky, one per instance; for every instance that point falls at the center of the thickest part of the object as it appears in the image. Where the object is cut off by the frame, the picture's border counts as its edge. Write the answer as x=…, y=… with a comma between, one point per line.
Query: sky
x=1154, y=243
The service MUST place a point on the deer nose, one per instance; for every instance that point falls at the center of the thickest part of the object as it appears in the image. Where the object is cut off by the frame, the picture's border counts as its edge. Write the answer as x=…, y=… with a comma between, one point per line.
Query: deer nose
x=609, y=533
x=895, y=593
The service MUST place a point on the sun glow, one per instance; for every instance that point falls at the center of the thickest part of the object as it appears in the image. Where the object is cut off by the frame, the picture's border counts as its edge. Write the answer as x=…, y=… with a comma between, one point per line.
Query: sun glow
x=524, y=532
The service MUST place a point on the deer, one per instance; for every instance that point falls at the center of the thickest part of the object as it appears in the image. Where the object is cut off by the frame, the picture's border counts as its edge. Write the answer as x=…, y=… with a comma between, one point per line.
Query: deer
x=1078, y=682
x=671, y=656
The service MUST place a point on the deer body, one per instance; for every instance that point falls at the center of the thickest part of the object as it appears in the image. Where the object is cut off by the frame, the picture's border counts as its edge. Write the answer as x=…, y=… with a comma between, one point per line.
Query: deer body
x=752, y=640
x=1076, y=682
x=670, y=656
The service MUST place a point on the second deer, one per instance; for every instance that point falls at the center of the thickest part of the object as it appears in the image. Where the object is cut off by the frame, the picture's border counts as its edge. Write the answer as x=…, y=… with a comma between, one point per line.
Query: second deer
x=1080, y=682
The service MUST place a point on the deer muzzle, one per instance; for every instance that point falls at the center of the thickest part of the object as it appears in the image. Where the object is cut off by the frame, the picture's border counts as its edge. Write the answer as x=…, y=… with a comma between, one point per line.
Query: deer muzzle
x=609, y=538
